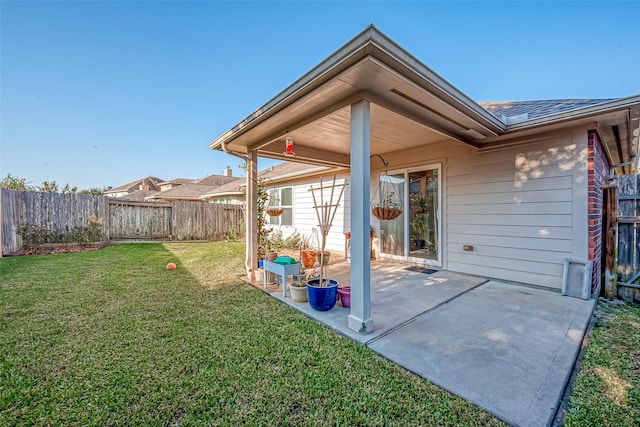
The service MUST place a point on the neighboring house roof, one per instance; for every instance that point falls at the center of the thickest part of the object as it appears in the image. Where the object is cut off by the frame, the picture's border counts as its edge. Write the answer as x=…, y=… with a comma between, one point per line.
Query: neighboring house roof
x=215, y=180
x=151, y=183
x=192, y=190
x=233, y=188
x=137, y=196
x=535, y=109
x=178, y=181
x=275, y=173
x=286, y=170
x=189, y=191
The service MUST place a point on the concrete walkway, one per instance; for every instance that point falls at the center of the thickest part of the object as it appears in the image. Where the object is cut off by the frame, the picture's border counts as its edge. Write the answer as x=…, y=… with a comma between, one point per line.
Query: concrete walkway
x=507, y=348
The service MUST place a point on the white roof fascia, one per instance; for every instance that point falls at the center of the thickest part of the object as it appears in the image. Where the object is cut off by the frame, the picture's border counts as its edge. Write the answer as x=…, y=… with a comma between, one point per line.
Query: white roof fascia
x=395, y=51
x=312, y=79
x=304, y=82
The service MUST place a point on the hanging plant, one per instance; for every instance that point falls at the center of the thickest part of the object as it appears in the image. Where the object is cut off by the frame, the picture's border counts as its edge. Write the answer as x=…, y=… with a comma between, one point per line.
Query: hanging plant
x=274, y=208
x=386, y=203
x=275, y=211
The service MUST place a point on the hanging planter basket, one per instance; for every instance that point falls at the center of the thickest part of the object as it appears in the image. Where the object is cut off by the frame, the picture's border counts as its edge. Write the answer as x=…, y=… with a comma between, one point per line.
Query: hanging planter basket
x=273, y=205
x=386, y=213
x=275, y=211
x=386, y=202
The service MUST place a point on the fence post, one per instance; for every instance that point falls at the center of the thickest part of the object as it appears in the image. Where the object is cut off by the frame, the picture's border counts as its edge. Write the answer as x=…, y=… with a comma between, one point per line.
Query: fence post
x=1, y=225
x=610, y=194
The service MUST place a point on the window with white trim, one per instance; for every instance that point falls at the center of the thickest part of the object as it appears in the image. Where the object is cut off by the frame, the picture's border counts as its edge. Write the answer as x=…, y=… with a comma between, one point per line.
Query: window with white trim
x=281, y=198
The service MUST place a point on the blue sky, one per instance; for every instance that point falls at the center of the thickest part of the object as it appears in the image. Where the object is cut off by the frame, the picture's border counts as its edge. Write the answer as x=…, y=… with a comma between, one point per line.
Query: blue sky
x=102, y=93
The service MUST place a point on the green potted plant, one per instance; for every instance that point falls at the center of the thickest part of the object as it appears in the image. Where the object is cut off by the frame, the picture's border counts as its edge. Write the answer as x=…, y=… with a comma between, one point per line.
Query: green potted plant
x=298, y=288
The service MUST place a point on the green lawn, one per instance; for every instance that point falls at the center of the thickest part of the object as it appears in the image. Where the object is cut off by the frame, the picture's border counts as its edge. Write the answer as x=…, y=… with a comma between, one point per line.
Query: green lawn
x=607, y=389
x=112, y=338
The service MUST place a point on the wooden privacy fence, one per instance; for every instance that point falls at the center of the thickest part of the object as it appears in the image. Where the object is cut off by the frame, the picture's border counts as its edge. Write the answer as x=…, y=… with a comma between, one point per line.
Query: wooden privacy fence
x=120, y=220
x=172, y=220
x=51, y=211
x=629, y=237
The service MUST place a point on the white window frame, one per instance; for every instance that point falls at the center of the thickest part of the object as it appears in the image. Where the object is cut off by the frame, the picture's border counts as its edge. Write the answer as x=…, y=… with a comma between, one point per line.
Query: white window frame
x=277, y=220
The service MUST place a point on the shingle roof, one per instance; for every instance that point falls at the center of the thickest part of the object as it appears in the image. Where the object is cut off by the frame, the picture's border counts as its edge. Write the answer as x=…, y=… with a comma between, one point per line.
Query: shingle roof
x=178, y=181
x=230, y=187
x=535, y=109
x=215, y=180
x=193, y=189
x=288, y=168
x=190, y=190
x=235, y=186
x=137, y=196
x=151, y=181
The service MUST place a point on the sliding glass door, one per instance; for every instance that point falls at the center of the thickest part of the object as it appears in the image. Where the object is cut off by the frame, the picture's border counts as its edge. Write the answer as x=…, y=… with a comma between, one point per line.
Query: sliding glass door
x=415, y=235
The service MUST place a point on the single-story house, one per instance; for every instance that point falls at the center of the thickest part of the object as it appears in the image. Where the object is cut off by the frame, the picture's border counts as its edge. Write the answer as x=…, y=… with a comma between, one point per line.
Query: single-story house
x=193, y=190
x=510, y=190
x=278, y=179
x=231, y=193
x=149, y=185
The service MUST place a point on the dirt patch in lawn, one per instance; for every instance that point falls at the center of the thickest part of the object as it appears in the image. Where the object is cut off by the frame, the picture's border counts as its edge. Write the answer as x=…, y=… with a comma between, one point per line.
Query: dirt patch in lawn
x=59, y=249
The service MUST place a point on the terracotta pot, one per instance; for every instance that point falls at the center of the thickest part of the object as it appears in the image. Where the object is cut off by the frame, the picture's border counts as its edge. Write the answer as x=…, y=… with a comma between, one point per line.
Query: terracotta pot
x=272, y=256
x=308, y=259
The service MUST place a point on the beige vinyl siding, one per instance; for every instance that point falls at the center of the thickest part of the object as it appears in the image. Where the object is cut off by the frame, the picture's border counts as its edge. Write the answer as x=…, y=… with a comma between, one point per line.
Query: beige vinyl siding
x=519, y=208
x=523, y=208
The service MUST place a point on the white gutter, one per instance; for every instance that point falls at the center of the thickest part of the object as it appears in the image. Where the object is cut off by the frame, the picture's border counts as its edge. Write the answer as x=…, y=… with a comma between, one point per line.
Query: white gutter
x=226, y=193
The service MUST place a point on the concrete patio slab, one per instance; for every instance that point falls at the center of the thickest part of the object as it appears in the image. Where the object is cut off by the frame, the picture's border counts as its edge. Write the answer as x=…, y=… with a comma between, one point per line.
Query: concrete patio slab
x=509, y=349
x=397, y=295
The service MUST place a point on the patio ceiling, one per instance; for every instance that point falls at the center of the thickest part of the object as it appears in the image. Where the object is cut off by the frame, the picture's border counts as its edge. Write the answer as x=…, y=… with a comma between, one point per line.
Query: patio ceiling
x=411, y=106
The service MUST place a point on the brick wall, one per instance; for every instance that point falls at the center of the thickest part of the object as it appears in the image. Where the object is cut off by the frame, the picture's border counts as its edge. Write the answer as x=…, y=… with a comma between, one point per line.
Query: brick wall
x=598, y=169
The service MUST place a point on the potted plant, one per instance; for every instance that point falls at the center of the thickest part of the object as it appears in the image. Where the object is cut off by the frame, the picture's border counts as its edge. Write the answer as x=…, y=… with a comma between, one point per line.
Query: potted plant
x=298, y=290
x=419, y=229
x=307, y=255
x=273, y=205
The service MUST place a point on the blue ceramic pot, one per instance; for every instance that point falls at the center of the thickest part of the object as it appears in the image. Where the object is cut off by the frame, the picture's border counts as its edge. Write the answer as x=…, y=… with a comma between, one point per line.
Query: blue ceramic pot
x=322, y=298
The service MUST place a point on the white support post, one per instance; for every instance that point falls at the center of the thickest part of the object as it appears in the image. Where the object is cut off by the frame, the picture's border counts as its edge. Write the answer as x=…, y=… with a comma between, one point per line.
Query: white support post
x=360, y=318
x=251, y=216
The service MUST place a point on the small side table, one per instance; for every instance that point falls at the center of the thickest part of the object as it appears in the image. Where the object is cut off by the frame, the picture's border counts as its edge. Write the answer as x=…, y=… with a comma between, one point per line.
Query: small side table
x=282, y=271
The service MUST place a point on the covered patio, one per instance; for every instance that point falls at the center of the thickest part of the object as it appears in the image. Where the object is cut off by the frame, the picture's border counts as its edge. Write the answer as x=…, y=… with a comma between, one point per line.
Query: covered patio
x=369, y=98
x=508, y=348
x=515, y=198
x=512, y=199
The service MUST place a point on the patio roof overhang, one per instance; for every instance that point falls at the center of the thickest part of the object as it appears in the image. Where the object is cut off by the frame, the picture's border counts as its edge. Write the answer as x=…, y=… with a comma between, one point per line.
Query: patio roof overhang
x=411, y=106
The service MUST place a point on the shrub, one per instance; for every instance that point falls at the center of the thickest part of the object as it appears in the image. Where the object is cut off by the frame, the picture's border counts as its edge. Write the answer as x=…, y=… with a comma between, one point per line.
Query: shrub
x=34, y=235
